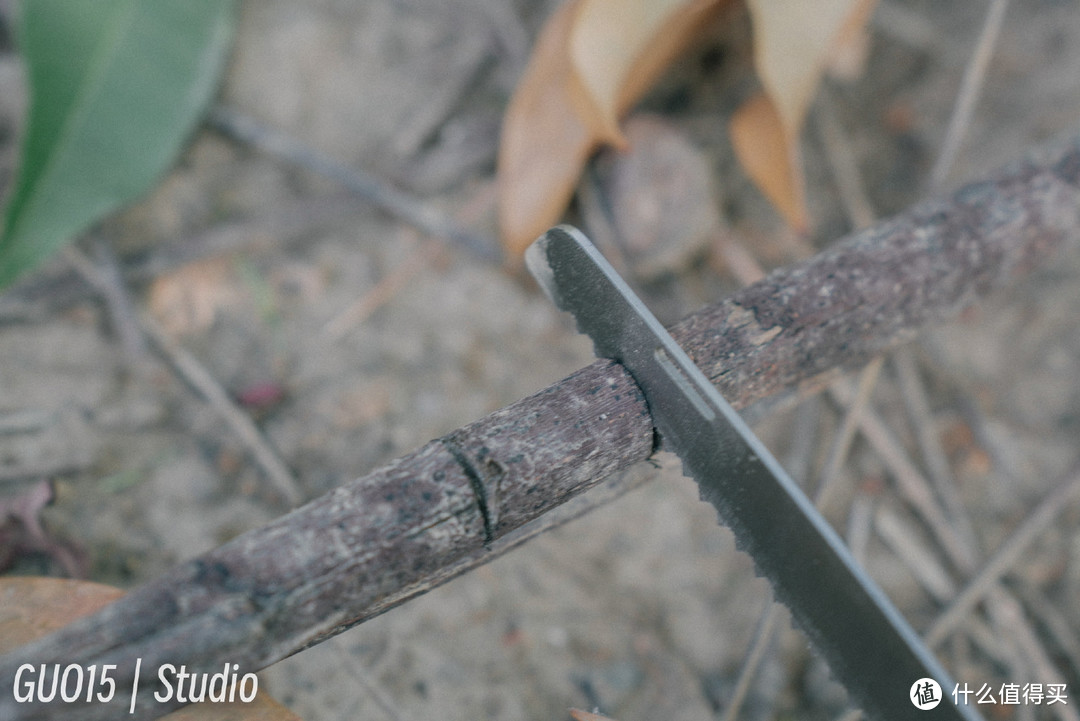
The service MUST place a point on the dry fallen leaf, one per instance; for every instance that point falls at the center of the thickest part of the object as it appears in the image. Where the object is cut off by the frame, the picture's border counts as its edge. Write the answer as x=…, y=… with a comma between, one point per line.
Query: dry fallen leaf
x=592, y=61
x=545, y=139
x=31, y=607
x=794, y=43
x=620, y=47
x=851, y=46
x=793, y=40
x=34, y=606
x=189, y=299
x=595, y=58
x=770, y=156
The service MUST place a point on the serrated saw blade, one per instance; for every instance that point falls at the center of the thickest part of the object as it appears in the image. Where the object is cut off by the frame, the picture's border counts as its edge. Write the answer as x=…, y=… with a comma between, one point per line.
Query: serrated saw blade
x=868, y=644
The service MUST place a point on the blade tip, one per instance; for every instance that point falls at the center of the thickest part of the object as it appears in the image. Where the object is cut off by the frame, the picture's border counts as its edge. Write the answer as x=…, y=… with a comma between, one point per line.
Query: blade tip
x=538, y=261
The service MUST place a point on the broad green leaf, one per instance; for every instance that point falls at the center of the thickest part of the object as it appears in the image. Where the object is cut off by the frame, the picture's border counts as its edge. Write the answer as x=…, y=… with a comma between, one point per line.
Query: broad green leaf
x=116, y=86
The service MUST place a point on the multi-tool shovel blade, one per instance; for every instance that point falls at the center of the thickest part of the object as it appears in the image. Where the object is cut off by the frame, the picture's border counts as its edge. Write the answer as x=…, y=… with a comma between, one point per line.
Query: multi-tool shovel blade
x=868, y=644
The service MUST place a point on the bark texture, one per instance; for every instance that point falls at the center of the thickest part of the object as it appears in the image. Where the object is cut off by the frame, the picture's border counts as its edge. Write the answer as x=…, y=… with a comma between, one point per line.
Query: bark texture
x=438, y=511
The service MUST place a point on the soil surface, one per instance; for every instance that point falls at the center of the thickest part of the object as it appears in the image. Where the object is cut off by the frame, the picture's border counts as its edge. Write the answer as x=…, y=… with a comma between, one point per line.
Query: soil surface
x=352, y=338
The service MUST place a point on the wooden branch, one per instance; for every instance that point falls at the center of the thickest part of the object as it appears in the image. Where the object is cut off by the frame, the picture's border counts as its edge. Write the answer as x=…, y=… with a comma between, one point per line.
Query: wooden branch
x=393, y=534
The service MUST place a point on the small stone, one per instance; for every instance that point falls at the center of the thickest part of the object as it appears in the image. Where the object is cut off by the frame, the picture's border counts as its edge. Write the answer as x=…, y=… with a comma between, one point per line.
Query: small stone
x=658, y=199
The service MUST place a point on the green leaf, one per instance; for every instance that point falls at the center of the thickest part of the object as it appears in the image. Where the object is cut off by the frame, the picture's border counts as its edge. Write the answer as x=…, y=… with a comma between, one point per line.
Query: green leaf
x=116, y=86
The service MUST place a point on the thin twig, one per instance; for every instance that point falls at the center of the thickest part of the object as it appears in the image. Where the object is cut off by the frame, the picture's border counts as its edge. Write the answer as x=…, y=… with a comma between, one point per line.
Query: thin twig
x=1059, y=628
x=914, y=396
x=106, y=281
x=860, y=521
x=763, y=637
x=25, y=420
x=799, y=459
x=42, y=293
x=903, y=538
x=728, y=254
x=356, y=670
x=122, y=311
x=381, y=293
x=1006, y=556
x=196, y=374
x=845, y=168
x=841, y=445
x=1007, y=615
x=970, y=86
x=23, y=474
x=999, y=648
x=396, y=202
x=192, y=371
x=909, y=480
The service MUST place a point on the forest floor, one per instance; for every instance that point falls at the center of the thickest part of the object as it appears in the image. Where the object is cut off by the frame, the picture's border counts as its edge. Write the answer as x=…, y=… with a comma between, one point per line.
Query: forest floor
x=351, y=338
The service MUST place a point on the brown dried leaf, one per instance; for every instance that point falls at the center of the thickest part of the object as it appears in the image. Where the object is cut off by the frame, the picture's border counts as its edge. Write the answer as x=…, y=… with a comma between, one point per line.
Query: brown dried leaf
x=847, y=56
x=31, y=607
x=793, y=40
x=794, y=43
x=189, y=299
x=770, y=157
x=620, y=47
x=595, y=59
x=592, y=61
x=545, y=138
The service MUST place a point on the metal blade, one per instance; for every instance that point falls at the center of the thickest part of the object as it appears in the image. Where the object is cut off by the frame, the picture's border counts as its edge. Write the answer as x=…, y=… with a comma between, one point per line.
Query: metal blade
x=869, y=646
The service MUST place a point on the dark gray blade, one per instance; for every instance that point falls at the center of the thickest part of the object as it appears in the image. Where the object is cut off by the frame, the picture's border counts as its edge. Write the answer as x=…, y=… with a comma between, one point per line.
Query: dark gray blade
x=868, y=644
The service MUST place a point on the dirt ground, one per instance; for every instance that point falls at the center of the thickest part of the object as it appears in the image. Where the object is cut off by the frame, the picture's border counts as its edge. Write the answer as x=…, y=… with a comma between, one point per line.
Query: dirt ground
x=352, y=339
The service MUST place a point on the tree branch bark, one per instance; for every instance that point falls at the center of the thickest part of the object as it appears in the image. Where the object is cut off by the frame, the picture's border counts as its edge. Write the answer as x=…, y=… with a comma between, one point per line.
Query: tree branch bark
x=438, y=511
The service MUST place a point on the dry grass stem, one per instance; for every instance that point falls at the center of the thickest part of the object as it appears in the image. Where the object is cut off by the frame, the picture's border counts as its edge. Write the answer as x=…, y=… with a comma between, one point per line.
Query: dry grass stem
x=914, y=395
x=1007, y=555
x=909, y=480
x=474, y=57
x=195, y=373
x=399, y=204
x=903, y=538
x=386, y=288
x=974, y=75
x=860, y=521
x=841, y=446
x=371, y=687
x=1009, y=618
x=763, y=638
x=845, y=168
